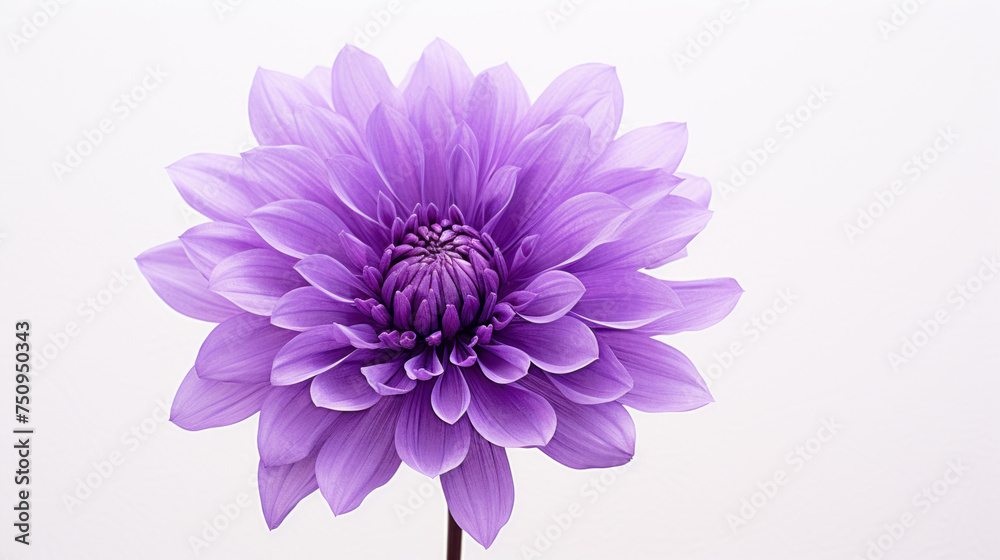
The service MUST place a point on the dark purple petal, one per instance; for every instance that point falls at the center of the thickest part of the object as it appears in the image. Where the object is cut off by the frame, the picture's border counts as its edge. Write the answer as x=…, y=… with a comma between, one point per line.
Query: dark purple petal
x=508, y=415
x=203, y=403
x=480, y=491
x=624, y=299
x=562, y=346
x=300, y=228
x=495, y=104
x=309, y=354
x=215, y=186
x=359, y=456
x=360, y=82
x=587, y=436
x=332, y=277
x=290, y=425
x=495, y=196
x=426, y=443
x=424, y=365
x=397, y=153
x=389, y=378
x=241, y=349
x=601, y=381
x=660, y=146
x=283, y=486
x=179, y=284
x=502, y=364
x=664, y=379
x=556, y=292
x=307, y=307
x=273, y=99
x=210, y=243
x=442, y=69
x=255, y=279
x=450, y=397
x=344, y=387
x=706, y=302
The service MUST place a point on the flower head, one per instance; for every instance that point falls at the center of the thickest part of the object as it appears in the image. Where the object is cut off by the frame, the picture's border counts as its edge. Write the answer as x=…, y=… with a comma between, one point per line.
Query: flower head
x=433, y=273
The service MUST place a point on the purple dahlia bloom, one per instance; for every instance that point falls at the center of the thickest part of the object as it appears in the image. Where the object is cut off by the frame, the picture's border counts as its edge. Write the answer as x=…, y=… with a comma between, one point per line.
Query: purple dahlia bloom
x=433, y=273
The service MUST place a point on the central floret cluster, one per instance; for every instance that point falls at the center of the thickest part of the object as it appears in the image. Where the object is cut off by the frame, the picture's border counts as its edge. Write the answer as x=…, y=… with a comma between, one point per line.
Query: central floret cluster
x=436, y=290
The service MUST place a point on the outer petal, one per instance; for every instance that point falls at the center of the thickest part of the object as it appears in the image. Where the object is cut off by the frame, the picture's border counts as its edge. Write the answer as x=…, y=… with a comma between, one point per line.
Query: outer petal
x=706, y=302
x=332, y=277
x=624, y=300
x=273, y=99
x=502, y=364
x=561, y=346
x=389, y=378
x=327, y=133
x=215, y=185
x=210, y=243
x=310, y=354
x=397, y=153
x=288, y=172
x=480, y=491
x=508, y=415
x=556, y=292
x=435, y=124
x=255, y=279
x=450, y=397
x=587, y=436
x=360, y=82
x=495, y=104
x=300, y=228
x=664, y=379
x=307, y=307
x=602, y=381
x=180, y=285
x=202, y=403
x=241, y=349
x=442, y=69
x=359, y=456
x=284, y=486
x=426, y=443
x=290, y=425
x=660, y=146
x=344, y=387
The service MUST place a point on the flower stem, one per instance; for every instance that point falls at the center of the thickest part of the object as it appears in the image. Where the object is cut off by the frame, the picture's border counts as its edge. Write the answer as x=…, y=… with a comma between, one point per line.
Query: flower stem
x=454, y=539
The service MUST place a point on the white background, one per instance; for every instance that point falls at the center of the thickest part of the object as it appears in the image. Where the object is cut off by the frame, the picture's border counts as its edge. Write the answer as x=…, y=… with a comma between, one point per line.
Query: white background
x=826, y=356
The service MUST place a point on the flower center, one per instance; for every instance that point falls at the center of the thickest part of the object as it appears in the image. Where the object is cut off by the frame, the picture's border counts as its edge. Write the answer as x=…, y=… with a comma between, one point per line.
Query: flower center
x=440, y=280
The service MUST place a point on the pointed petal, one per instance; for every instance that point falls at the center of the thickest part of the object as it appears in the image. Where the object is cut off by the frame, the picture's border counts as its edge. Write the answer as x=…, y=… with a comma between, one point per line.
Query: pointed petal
x=327, y=133
x=255, y=279
x=300, y=228
x=309, y=354
x=290, y=425
x=273, y=99
x=215, y=186
x=624, y=299
x=480, y=491
x=660, y=146
x=241, y=349
x=450, y=397
x=501, y=363
x=282, y=487
x=435, y=124
x=360, y=82
x=601, y=381
x=442, y=69
x=495, y=104
x=561, y=346
x=706, y=302
x=556, y=292
x=210, y=243
x=203, y=403
x=344, y=387
x=426, y=443
x=288, y=172
x=664, y=379
x=397, y=153
x=508, y=415
x=179, y=284
x=332, y=278
x=307, y=307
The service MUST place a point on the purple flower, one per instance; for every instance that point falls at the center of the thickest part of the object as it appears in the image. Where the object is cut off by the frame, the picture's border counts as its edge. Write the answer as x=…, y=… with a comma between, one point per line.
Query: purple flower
x=433, y=273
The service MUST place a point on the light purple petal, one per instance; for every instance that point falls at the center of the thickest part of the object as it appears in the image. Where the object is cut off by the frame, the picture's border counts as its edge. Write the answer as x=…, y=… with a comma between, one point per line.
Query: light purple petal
x=273, y=99
x=300, y=228
x=241, y=349
x=556, y=292
x=327, y=133
x=587, y=436
x=309, y=354
x=706, y=302
x=480, y=491
x=495, y=104
x=601, y=381
x=508, y=415
x=344, y=387
x=442, y=69
x=179, y=284
x=397, y=153
x=450, y=397
x=283, y=486
x=288, y=172
x=632, y=185
x=495, y=197
x=307, y=307
x=660, y=146
x=696, y=189
x=624, y=299
x=203, y=403
x=215, y=186
x=255, y=279
x=359, y=185
x=290, y=425
x=389, y=378
x=664, y=379
x=426, y=443
x=501, y=363
x=332, y=277
x=435, y=124
x=360, y=82
x=561, y=346
x=210, y=243
x=359, y=456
